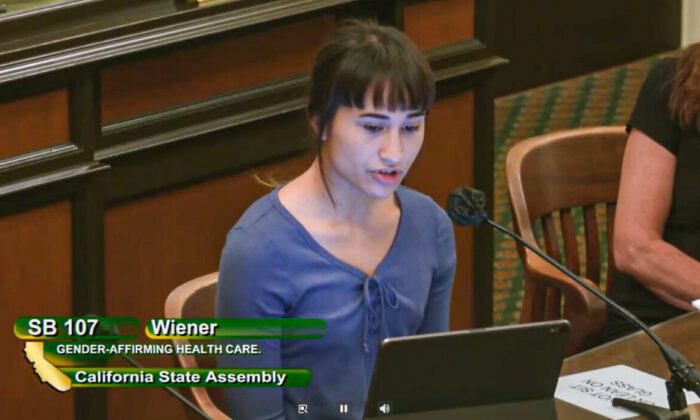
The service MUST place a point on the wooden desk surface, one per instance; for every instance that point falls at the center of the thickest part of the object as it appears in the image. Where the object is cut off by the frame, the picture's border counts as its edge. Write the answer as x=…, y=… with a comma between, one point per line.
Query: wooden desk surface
x=637, y=351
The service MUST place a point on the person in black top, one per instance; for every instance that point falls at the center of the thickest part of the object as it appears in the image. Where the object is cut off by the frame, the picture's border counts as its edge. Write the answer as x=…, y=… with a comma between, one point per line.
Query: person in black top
x=657, y=223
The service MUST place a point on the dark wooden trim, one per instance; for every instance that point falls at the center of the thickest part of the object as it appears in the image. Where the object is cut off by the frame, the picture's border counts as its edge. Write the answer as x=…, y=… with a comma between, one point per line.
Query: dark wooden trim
x=391, y=13
x=42, y=10
x=88, y=228
x=17, y=168
x=484, y=22
x=457, y=66
x=462, y=58
x=470, y=69
x=36, y=86
x=84, y=102
x=88, y=208
x=42, y=155
x=456, y=53
x=484, y=167
x=79, y=91
x=462, y=65
x=199, y=131
x=388, y=12
x=154, y=34
x=245, y=29
x=204, y=155
x=48, y=188
x=467, y=76
x=215, y=113
x=51, y=178
x=88, y=282
x=483, y=180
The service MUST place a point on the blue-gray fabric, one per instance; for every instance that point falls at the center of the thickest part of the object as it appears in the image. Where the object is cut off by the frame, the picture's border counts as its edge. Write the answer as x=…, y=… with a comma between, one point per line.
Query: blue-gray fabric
x=271, y=267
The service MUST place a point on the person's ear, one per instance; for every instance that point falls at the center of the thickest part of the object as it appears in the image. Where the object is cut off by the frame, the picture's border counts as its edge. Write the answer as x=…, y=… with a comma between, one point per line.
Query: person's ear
x=314, y=121
x=314, y=124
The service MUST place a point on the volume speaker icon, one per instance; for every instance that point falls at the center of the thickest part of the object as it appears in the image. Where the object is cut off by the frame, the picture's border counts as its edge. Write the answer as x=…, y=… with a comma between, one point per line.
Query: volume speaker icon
x=385, y=408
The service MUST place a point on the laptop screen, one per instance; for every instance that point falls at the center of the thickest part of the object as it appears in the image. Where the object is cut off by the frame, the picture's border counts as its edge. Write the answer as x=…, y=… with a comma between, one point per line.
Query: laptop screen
x=467, y=368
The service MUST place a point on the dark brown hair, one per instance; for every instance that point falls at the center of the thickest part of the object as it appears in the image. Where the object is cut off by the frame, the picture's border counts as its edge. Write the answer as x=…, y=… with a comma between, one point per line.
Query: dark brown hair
x=362, y=55
x=684, y=100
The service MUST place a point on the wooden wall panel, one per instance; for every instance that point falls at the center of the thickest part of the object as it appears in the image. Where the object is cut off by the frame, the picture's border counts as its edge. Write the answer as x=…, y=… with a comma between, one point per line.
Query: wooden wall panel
x=444, y=163
x=35, y=262
x=34, y=123
x=439, y=22
x=577, y=37
x=152, y=84
x=154, y=244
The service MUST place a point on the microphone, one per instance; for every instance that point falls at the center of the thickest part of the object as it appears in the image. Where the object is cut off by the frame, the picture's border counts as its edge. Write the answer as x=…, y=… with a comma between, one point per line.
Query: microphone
x=465, y=206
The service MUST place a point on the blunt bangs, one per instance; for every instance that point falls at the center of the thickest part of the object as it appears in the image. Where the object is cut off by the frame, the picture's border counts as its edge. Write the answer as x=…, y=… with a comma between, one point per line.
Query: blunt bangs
x=394, y=80
x=363, y=56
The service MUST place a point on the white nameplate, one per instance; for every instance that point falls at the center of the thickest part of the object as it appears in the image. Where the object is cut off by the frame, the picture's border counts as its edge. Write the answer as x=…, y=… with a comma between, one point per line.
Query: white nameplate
x=696, y=303
x=594, y=390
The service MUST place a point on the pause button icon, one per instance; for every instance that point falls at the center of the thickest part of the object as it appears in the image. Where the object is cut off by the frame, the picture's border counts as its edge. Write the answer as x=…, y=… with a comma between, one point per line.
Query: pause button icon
x=344, y=408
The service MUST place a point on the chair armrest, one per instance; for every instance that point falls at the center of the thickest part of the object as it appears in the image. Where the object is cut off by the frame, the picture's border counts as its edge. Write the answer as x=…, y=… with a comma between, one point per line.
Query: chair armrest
x=200, y=394
x=586, y=312
x=208, y=406
x=537, y=266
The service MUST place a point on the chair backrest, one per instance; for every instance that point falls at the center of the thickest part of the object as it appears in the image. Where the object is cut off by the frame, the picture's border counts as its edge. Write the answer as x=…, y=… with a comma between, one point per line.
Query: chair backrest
x=196, y=299
x=554, y=178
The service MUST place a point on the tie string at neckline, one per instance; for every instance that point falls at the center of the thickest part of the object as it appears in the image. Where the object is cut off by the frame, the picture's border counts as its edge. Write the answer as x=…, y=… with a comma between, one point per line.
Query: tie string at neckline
x=387, y=296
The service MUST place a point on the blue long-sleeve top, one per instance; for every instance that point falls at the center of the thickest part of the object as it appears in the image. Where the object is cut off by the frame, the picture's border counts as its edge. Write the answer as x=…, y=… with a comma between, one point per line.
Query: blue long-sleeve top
x=271, y=267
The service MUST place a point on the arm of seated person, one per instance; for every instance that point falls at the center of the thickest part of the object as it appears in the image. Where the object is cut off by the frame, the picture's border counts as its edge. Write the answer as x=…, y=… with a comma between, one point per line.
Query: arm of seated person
x=644, y=201
x=249, y=287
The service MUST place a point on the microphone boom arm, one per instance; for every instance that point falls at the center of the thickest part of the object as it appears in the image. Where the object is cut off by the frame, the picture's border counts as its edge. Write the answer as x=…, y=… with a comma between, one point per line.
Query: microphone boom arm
x=574, y=277
x=465, y=206
x=682, y=371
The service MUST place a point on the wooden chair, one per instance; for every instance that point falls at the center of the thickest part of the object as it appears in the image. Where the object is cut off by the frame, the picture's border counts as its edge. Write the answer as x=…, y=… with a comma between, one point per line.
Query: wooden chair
x=196, y=299
x=555, y=173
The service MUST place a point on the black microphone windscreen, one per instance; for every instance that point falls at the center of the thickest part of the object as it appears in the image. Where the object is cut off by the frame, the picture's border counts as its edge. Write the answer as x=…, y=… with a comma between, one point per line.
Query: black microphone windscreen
x=465, y=206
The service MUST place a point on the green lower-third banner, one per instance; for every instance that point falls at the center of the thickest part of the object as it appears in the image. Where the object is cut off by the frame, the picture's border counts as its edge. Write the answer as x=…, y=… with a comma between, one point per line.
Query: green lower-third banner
x=89, y=377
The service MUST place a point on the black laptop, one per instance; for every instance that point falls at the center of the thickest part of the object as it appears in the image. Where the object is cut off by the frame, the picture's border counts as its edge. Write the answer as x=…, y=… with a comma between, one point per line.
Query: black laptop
x=501, y=372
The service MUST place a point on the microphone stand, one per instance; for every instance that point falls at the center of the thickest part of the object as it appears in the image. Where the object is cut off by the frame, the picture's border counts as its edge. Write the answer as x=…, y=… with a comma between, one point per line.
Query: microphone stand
x=170, y=390
x=113, y=330
x=465, y=206
x=682, y=373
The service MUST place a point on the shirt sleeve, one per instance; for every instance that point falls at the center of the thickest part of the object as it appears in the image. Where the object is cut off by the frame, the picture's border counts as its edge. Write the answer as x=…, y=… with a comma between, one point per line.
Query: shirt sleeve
x=652, y=114
x=251, y=285
x=436, y=317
